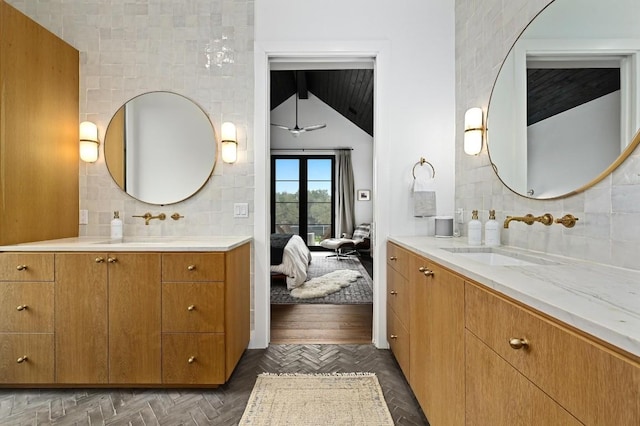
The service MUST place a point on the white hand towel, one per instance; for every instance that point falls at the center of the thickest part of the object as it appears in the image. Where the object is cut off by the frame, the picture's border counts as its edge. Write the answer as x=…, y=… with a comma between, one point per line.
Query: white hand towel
x=424, y=198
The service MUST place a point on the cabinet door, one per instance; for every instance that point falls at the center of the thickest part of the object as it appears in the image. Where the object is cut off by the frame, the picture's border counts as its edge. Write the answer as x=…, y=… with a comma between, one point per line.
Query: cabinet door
x=134, y=318
x=26, y=307
x=193, y=307
x=497, y=394
x=437, y=341
x=26, y=358
x=193, y=358
x=81, y=318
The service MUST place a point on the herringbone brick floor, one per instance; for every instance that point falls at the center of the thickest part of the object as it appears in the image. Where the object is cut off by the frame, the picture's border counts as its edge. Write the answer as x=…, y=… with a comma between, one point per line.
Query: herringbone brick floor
x=222, y=406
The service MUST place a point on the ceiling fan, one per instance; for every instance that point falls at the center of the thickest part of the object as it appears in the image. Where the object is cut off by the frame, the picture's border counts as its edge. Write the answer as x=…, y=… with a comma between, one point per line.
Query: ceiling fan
x=295, y=131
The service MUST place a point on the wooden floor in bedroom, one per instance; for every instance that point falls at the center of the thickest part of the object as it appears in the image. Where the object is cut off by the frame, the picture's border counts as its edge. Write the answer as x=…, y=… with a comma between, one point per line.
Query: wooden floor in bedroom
x=321, y=324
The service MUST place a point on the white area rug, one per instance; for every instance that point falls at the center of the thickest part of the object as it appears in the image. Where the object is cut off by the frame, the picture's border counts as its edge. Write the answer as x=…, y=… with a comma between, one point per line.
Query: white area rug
x=349, y=399
x=326, y=284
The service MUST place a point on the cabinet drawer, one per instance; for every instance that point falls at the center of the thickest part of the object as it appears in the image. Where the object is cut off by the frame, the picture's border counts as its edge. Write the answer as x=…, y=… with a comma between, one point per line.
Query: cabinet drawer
x=193, y=307
x=193, y=267
x=190, y=358
x=38, y=365
x=398, y=340
x=26, y=307
x=595, y=384
x=398, y=259
x=512, y=399
x=398, y=296
x=26, y=267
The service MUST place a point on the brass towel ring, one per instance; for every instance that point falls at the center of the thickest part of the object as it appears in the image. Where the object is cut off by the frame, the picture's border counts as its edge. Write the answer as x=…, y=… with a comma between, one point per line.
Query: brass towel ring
x=420, y=163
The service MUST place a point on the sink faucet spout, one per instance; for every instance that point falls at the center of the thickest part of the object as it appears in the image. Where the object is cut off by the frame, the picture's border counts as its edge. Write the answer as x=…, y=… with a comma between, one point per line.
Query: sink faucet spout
x=529, y=219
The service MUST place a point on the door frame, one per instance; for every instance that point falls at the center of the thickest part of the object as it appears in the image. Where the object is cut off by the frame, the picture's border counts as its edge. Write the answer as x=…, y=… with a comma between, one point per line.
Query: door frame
x=327, y=51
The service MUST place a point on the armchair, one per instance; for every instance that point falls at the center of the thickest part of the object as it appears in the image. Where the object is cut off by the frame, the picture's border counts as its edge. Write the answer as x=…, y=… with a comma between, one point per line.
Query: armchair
x=349, y=245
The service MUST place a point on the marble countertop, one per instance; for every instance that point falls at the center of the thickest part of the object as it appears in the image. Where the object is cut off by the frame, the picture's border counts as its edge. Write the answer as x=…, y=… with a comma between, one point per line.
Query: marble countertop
x=152, y=244
x=600, y=300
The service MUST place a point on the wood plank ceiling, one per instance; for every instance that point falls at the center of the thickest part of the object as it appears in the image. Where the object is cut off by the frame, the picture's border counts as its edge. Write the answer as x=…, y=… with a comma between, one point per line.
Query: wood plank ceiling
x=349, y=91
x=551, y=91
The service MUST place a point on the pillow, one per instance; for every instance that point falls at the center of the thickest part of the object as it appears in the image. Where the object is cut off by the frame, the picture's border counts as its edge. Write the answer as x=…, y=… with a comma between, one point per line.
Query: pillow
x=361, y=232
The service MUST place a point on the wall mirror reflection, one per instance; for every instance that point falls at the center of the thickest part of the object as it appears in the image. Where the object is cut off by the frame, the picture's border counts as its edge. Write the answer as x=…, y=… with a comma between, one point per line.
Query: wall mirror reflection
x=564, y=108
x=160, y=148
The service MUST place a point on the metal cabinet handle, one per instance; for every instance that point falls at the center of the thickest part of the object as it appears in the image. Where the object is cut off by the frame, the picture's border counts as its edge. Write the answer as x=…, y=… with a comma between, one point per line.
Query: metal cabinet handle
x=393, y=258
x=393, y=336
x=22, y=307
x=22, y=267
x=112, y=259
x=394, y=293
x=191, y=308
x=425, y=271
x=22, y=359
x=191, y=359
x=191, y=267
x=519, y=343
x=99, y=259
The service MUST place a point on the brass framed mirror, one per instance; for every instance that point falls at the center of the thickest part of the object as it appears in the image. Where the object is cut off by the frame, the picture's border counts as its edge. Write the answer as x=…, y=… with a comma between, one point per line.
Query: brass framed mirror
x=564, y=111
x=160, y=148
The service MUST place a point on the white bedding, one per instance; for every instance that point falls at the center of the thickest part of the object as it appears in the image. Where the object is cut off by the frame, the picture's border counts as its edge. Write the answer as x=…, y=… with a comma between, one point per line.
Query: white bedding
x=295, y=262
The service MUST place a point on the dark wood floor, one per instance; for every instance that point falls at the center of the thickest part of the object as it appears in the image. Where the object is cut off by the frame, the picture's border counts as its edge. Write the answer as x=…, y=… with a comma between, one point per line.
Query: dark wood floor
x=222, y=406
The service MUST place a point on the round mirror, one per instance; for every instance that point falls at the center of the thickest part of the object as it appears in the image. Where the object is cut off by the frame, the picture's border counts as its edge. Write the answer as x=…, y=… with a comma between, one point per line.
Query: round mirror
x=160, y=148
x=564, y=108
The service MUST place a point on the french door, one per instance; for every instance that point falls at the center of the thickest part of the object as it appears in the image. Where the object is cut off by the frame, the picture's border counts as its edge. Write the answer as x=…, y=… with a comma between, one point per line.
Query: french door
x=302, y=201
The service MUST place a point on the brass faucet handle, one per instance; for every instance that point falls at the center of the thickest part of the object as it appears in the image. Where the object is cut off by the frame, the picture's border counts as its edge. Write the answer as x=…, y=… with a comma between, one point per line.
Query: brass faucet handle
x=546, y=219
x=568, y=220
x=176, y=216
x=161, y=216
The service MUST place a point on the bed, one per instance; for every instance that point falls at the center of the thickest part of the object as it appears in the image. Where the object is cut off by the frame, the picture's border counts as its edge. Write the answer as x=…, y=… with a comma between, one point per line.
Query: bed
x=291, y=257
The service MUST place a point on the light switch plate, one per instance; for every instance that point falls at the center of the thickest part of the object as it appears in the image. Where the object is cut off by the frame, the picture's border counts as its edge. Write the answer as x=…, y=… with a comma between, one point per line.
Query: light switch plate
x=459, y=216
x=240, y=210
x=84, y=217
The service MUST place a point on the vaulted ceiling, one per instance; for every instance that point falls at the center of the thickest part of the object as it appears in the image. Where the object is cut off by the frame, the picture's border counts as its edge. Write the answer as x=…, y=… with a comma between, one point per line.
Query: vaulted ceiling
x=551, y=91
x=349, y=91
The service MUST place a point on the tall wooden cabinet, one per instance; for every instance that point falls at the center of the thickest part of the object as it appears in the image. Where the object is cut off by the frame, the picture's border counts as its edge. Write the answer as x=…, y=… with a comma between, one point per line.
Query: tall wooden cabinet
x=123, y=318
x=39, y=106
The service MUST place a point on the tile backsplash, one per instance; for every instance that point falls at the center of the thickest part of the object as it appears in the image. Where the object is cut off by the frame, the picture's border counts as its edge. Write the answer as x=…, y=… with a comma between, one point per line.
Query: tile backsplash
x=609, y=227
x=132, y=47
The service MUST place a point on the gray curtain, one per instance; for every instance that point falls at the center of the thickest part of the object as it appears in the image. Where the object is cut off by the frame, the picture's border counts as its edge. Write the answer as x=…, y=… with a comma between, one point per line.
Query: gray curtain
x=346, y=193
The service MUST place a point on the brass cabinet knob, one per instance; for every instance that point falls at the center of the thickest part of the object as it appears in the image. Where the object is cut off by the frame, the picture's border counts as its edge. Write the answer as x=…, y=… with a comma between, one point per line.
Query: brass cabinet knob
x=22, y=307
x=99, y=259
x=112, y=259
x=428, y=273
x=191, y=359
x=394, y=293
x=393, y=336
x=22, y=359
x=191, y=308
x=22, y=267
x=393, y=258
x=191, y=267
x=518, y=343
x=422, y=269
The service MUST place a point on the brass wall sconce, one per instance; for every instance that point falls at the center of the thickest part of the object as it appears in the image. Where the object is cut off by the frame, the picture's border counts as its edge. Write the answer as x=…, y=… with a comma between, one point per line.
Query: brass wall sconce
x=473, y=131
x=88, y=142
x=229, y=143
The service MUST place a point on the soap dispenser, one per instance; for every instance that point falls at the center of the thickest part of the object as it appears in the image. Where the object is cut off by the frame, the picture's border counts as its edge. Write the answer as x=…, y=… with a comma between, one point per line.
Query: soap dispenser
x=492, y=230
x=474, y=230
x=116, y=226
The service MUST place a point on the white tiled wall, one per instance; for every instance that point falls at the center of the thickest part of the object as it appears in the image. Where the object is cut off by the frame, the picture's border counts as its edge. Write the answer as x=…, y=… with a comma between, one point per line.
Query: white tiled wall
x=609, y=227
x=130, y=47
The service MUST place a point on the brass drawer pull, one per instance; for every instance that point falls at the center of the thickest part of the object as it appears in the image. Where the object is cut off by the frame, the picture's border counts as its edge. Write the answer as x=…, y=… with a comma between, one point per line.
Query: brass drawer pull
x=192, y=359
x=191, y=308
x=99, y=259
x=394, y=293
x=519, y=343
x=22, y=307
x=22, y=359
x=191, y=267
x=22, y=267
x=425, y=271
x=112, y=259
x=393, y=336
x=393, y=258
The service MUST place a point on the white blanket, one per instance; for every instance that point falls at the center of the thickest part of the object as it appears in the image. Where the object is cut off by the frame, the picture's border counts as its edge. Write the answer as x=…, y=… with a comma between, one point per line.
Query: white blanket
x=295, y=262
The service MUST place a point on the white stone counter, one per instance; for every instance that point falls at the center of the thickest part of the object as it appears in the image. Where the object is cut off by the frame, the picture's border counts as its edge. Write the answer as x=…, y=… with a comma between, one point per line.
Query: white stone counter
x=138, y=244
x=600, y=300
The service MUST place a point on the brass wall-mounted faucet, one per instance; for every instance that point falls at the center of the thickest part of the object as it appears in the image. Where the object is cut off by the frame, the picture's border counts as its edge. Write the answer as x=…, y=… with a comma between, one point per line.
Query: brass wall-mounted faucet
x=568, y=220
x=529, y=219
x=148, y=216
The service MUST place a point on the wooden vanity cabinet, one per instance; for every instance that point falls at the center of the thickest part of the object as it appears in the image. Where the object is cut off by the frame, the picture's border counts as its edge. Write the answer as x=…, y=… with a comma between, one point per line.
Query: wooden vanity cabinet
x=26, y=318
x=562, y=370
x=398, y=299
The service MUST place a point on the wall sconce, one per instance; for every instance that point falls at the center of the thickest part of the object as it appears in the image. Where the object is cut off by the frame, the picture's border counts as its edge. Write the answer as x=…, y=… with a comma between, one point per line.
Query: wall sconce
x=88, y=142
x=473, y=131
x=229, y=142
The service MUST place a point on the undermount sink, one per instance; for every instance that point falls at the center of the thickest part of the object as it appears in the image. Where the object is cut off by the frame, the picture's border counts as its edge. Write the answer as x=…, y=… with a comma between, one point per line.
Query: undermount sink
x=498, y=257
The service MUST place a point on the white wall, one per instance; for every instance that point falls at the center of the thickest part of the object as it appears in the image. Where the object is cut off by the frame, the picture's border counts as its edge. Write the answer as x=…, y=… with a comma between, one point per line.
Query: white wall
x=339, y=133
x=609, y=226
